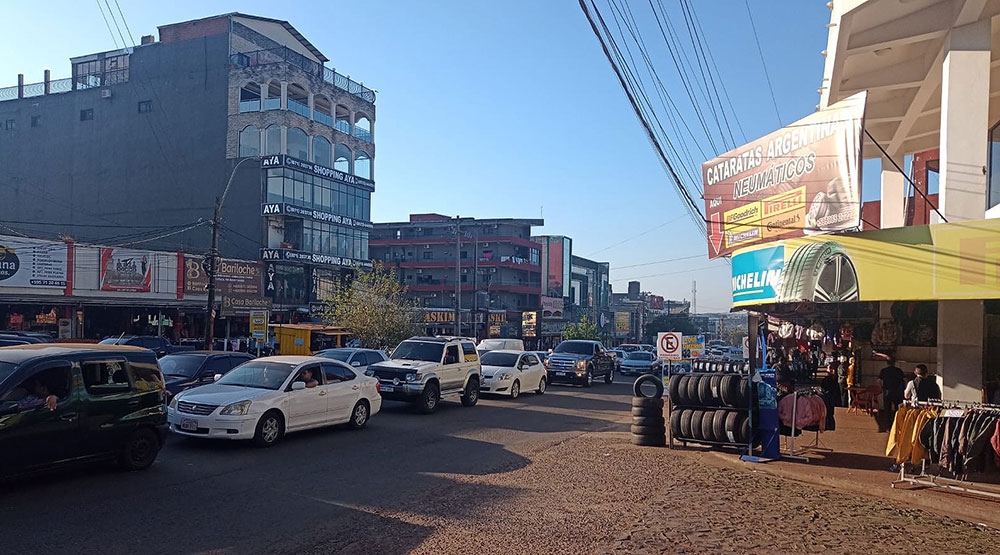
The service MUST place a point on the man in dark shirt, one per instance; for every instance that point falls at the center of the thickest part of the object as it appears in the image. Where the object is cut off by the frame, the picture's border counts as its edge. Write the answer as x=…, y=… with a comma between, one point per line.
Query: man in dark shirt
x=893, y=383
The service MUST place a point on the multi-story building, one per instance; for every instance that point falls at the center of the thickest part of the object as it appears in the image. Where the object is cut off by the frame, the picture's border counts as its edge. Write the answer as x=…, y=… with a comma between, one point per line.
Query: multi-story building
x=590, y=293
x=499, y=262
x=147, y=137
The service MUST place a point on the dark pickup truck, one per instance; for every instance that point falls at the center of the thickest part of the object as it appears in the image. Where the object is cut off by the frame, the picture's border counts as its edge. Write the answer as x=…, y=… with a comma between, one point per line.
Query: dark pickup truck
x=158, y=345
x=579, y=361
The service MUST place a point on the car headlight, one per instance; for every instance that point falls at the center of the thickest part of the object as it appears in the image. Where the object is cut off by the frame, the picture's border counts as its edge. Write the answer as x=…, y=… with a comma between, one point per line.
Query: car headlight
x=238, y=408
x=581, y=364
x=370, y=373
x=503, y=376
x=173, y=402
x=412, y=378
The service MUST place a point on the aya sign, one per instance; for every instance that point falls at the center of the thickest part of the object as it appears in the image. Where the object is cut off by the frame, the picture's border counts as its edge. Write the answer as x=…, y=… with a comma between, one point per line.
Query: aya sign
x=668, y=345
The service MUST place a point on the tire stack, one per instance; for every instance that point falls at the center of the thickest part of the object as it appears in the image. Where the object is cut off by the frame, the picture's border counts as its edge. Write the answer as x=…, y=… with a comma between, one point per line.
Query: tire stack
x=648, y=426
x=711, y=407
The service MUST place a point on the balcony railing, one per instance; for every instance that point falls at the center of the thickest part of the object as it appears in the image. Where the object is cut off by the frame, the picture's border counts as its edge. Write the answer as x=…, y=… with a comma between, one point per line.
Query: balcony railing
x=325, y=119
x=65, y=85
x=285, y=54
x=249, y=106
x=298, y=107
x=272, y=103
x=363, y=134
x=343, y=126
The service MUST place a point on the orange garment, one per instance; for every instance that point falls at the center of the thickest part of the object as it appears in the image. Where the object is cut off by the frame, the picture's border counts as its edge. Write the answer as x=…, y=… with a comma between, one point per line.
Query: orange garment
x=906, y=436
x=850, y=373
x=895, y=433
x=919, y=451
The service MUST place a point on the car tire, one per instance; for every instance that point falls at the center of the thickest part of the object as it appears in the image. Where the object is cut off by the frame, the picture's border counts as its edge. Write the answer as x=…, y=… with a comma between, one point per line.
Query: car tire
x=647, y=411
x=691, y=390
x=685, y=425
x=649, y=441
x=647, y=421
x=707, y=426
x=471, y=394
x=673, y=389
x=270, y=429
x=655, y=380
x=588, y=380
x=696, y=418
x=610, y=376
x=719, y=426
x=140, y=450
x=515, y=389
x=429, y=398
x=654, y=430
x=732, y=427
x=675, y=424
x=360, y=415
x=647, y=403
x=541, y=386
x=705, y=391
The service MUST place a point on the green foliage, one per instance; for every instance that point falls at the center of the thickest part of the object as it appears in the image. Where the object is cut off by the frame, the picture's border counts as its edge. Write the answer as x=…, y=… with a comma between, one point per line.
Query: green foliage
x=672, y=322
x=374, y=308
x=584, y=330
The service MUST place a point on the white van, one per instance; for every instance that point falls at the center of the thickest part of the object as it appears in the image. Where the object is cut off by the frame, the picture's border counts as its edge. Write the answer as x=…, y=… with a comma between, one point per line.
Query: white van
x=497, y=344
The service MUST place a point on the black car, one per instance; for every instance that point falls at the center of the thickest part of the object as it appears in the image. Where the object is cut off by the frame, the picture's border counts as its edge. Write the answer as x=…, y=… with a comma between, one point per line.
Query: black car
x=158, y=345
x=64, y=403
x=193, y=368
x=580, y=361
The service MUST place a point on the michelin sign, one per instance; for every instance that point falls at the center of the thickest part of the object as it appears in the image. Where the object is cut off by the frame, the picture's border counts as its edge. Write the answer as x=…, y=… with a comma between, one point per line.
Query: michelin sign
x=757, y=274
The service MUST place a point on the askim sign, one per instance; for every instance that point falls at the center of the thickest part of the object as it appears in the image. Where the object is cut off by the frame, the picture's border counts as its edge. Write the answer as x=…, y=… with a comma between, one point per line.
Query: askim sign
x=804, y=179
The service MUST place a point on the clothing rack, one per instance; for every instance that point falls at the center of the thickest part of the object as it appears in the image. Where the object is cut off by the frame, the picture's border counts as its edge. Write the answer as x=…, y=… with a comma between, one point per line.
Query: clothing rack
x=815, y=446
x=929, y=480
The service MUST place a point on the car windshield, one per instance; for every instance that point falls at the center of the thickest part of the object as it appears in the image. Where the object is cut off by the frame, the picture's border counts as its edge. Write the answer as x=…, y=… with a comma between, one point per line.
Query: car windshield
x=260, y=374
x=640, y=355
x=507, y=360
x=575, y=347
x=114, y=340
x=181, y=365
x=487, y=345
x=419, y=350
x=336, y=354
x=6, y=369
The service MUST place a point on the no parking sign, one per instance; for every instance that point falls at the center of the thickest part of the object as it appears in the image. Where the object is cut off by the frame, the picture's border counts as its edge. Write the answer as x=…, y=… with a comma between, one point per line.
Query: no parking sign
x=668, y=345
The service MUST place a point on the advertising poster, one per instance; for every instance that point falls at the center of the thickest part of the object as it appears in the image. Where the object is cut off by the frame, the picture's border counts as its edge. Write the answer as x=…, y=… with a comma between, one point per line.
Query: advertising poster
x=622, y=324
x=235, y=277
x=804, y=179
x=126, y=270
x=693, y=347
x=529, y=324
x=32, y=263
x=552, y=307
x=935, y=262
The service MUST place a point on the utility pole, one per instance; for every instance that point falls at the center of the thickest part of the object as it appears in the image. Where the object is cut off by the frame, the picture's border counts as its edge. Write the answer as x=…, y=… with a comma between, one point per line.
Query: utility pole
x=694, y=297
x=210, y=268
x=458, y=275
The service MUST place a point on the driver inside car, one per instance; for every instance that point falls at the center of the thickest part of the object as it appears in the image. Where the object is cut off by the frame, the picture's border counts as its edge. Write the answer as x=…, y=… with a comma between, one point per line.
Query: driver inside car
x=307, y=376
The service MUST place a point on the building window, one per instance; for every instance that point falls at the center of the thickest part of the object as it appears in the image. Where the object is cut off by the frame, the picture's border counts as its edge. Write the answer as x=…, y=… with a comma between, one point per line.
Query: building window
x=322, y=110
x=297, y=143
x=464, y=278
x=250, y=98
x=10, y=124
x=87, y=115
x=343, y=123
x=250, y=141
x=993, y=179
x=342, y=158
x=36, y=121
x=363, y=165
x=273, y=100
x=272, y=140
x=322, y=151
x=362, y=128
x=298, y=99
x=428, y=255
x=145, y=106
x=465, y=254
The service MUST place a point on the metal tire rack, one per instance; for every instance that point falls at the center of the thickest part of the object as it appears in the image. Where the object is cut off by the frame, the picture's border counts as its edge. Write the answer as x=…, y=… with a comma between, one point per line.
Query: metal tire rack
x=749, y=410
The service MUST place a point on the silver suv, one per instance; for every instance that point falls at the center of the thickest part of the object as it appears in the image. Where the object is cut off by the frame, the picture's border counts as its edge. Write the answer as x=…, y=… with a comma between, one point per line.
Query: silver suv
x=423, y=369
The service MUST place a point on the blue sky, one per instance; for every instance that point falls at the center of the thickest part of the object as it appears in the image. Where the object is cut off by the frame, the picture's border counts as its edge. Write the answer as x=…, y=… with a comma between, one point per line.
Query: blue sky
x=505, y=109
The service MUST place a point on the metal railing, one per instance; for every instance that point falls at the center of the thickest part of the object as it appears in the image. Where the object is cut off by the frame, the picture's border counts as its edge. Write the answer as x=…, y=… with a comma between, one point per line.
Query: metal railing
x=325, y=119
x=65, y=85
x=343, y=126
x=299, y=108
x=285, y=54
x=363, y=134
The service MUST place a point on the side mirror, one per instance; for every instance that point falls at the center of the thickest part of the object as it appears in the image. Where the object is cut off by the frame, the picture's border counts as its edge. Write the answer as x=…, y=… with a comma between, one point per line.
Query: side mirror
x=298, y=386
x=355, y=363
x=216, y=377
x=9, y=407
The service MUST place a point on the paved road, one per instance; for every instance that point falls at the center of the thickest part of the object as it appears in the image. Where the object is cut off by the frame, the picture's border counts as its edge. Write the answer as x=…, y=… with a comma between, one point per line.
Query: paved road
x=316, y=489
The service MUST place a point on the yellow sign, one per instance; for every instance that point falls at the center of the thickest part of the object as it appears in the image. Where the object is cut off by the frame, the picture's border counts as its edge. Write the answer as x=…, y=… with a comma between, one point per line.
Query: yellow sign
x=258, y=324
x=942, y=261
x=622, y=323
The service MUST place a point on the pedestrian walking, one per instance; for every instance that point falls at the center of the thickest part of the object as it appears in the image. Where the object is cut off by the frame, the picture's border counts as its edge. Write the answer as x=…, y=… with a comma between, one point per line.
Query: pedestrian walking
x=893, y=384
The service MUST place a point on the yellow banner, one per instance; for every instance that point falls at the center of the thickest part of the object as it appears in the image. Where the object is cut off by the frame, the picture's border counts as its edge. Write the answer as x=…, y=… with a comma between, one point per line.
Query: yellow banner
x=943, y=261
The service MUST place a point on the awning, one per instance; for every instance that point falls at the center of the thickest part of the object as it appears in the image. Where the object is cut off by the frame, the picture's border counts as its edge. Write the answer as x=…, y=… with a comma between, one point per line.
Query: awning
x=935, y=262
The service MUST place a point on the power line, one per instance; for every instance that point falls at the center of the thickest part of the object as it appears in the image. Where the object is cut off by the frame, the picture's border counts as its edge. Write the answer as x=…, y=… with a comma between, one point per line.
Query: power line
x=689, y=257
x=125, y=23
x=115, y=20
x=900, y=170
x=112, y=33
x=686, y=271
x=637, y=235
x=762, y=62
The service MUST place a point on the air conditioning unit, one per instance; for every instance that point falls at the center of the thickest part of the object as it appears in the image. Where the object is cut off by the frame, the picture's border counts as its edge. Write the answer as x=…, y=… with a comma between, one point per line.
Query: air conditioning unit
x=105, y=93
x=420, y=271
x=427, y=246
x=493, y=270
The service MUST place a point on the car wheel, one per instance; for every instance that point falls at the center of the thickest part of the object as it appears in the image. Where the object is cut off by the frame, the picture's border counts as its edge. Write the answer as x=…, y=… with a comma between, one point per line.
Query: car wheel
x=610, y=377
x=541, y=386
x=471, y=394
x=359, y=416
x=588, y=380
x=515, y=389
x=429, y=399
x=270, y=428
x=140, y=450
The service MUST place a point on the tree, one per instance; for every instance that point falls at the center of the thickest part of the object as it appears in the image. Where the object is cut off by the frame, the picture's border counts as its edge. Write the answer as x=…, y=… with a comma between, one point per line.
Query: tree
x=671, y=322
x=374, y=308
x=584, y=330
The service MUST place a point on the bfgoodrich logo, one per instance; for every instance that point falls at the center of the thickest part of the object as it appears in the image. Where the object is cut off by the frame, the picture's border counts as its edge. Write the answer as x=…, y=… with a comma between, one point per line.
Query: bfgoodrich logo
x=9, y=262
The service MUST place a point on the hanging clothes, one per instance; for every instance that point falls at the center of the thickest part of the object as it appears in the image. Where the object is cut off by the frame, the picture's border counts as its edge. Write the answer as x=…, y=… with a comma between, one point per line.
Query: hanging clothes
x=919, y=451
x=995, y=442
x=895, y=433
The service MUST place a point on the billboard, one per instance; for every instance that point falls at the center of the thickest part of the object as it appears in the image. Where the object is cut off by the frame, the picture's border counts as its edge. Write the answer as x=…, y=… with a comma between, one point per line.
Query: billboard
x=235, y=277
x=935, y=262
x=126, y=270
x=622, y=324
x=804, y=179
x=552, y=307
x=32, y=263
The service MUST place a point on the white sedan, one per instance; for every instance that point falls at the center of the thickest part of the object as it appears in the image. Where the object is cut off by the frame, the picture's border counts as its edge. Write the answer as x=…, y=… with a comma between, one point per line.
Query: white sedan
x=264, y=398
x=511, y=372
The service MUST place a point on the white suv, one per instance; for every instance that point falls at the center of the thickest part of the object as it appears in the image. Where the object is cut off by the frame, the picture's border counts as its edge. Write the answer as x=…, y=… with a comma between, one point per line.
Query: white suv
x=423, y=369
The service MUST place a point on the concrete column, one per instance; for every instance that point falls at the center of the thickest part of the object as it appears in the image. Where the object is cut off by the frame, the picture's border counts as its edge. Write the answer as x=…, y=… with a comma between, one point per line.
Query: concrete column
x=284, y=99
x=48, y=82
x=965, y=97
x=893, y=191
x=284, y=136
x=312, y=107
x=961, y=333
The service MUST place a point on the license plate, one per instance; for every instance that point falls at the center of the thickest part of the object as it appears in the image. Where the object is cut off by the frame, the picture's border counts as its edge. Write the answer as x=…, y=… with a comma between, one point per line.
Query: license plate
x=562, y=373
x=386, y=388
x=189, y=424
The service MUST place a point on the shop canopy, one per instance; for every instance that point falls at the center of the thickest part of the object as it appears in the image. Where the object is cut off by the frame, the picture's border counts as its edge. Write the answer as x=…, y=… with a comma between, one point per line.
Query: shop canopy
x=934, y=262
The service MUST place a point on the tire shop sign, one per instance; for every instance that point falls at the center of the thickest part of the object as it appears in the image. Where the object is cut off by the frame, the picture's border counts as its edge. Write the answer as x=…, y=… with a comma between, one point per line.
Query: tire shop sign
x=32, y=263
x=803, y=179
x=933, y=262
